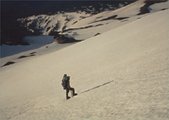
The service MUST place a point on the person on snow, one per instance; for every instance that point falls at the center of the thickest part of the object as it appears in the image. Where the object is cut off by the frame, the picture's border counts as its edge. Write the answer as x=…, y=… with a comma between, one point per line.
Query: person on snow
x=67, y=87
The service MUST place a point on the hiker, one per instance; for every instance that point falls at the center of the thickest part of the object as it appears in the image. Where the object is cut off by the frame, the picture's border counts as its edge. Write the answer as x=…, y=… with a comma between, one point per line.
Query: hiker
x=67, y=87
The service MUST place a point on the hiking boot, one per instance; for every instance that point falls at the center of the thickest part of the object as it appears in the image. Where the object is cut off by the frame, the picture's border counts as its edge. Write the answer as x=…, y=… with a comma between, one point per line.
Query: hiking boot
x=74, y=94
x=67, y=98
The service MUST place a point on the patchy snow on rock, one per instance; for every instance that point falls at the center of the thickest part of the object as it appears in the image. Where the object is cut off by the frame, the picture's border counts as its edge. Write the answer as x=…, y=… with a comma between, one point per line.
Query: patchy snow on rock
x=44, y=24
x=77, y=23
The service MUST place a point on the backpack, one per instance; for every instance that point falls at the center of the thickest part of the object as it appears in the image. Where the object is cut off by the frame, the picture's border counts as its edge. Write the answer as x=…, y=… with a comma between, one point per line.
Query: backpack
x=65, y=82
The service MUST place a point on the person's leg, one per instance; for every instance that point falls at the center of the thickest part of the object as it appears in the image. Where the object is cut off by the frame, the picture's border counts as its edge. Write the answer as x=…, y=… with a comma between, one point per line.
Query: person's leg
x=67, y=94
x=73, y=91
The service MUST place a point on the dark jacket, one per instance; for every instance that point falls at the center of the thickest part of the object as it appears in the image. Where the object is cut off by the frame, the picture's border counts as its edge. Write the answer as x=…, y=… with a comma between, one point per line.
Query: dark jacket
x=66, y=82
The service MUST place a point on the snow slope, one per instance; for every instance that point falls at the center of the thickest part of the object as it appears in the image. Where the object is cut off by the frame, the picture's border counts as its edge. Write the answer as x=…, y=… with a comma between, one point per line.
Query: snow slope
x=121, y=74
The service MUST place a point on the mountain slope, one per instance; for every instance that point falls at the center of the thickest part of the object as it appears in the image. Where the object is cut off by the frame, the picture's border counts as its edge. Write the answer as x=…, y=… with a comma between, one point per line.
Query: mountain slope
x=71, y=26
x=83, y=25
x=12, y=10
x=121, y=74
